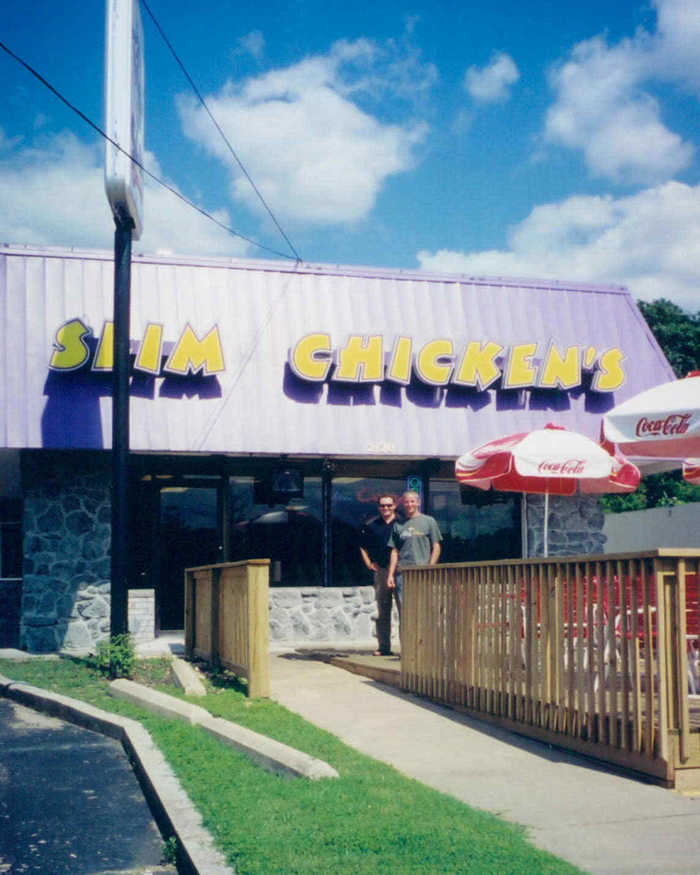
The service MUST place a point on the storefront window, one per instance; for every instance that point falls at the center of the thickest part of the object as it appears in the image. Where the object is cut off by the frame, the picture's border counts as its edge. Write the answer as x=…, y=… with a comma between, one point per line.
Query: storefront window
x=288, y=533
x=355, y=502
x=486, y=527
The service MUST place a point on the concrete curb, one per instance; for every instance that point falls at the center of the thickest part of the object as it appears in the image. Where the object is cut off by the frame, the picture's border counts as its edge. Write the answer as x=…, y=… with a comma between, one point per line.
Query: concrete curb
x=186, y=678
x=170, y=805
x=156, y=702
x=275, y=757
x=272, y=755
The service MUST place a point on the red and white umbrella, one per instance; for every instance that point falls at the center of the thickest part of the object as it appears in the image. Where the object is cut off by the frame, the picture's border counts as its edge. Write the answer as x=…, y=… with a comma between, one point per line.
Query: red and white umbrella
x=548, y=461
x=660, y=423
x=691, y=471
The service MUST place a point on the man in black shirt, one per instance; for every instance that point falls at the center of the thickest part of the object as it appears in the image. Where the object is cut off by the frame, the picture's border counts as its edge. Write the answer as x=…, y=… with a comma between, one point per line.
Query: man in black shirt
x=376, y=554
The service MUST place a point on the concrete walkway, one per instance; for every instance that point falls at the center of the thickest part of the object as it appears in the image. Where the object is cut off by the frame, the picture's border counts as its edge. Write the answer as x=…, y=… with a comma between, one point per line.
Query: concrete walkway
x=604, y=823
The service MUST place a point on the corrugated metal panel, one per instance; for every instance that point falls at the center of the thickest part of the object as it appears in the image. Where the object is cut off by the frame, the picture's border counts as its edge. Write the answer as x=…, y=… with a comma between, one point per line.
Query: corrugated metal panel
x=262, y=309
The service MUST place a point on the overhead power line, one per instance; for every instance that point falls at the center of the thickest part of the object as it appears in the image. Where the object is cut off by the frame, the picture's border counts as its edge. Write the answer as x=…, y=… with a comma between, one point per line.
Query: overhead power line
x=148, y=173
x=218, y=128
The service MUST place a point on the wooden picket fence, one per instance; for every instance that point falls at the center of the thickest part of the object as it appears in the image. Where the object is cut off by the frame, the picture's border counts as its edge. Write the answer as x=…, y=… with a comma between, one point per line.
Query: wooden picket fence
x=593, y=653
x=226, y=619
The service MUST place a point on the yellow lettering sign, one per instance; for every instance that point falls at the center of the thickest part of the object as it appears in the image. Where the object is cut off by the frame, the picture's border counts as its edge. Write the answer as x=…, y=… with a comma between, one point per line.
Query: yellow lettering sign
x=192, y=355
x=520, y=372
x=478, y=365
x=399, y=370
x=361, y=360
x=610, y=374
x=561, y=370
x=150, y=350
x=435, y=361
x=589, y=357
x=70, y=350
x=104, y=357
x=311, y=358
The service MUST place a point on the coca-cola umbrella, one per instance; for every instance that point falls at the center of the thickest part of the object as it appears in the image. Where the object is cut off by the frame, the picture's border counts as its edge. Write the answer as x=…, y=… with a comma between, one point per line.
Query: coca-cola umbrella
x=548, y=461
x=659, y=423
x=691, y=471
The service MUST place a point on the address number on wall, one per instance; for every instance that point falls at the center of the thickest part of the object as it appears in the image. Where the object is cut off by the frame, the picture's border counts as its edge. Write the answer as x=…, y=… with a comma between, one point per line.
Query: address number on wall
x=381, y=447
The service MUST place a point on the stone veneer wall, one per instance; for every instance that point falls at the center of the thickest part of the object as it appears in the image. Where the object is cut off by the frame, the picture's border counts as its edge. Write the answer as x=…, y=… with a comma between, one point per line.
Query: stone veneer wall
x=67, y=534
x=575, y=525
x=316, y=613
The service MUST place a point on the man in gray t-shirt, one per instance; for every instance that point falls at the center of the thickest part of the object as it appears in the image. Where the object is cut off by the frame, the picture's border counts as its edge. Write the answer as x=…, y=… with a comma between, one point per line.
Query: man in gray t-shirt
x=415, y=542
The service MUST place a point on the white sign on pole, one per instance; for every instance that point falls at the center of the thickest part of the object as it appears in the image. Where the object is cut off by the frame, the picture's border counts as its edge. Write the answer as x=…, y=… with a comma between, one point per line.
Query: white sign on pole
x=124, y=112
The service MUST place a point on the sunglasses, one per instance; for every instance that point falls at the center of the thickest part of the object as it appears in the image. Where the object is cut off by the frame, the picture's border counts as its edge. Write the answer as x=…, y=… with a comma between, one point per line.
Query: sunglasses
x=386, y=505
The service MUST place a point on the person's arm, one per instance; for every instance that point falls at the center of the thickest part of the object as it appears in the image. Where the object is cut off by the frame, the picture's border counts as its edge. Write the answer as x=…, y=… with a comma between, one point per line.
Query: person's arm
x=436, y=537
x=372, y=566
x=393, y=562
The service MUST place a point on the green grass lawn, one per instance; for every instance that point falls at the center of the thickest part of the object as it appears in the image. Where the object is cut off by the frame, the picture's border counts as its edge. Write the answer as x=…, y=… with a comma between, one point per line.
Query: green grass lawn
x=371, y=820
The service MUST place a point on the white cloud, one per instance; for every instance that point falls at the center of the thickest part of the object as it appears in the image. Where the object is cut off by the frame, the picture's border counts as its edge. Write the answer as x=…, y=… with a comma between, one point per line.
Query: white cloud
x=314, y=153
x=602, y=108
x=491, y=84
x=676, y=51
x=252, y=44
x=649, y=242
x=52, y=194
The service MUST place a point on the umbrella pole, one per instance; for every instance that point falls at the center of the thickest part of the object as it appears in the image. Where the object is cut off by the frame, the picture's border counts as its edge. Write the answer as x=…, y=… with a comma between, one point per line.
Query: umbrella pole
x=546, y=522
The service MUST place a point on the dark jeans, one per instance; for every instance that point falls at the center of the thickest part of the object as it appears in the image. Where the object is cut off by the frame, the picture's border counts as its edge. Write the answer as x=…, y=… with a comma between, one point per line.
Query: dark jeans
x=384, y=597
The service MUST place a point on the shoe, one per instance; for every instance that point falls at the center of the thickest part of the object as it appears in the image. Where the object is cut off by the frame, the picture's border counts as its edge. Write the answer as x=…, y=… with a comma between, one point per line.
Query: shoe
x=383, y=652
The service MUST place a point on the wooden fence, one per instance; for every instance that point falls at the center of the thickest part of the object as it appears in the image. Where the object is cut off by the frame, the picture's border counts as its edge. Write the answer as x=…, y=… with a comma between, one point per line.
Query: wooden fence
x=596, y=654
x=226, y=619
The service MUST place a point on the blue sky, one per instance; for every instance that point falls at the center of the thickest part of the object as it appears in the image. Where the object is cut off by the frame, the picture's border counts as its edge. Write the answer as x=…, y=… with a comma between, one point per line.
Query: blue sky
x=538, y=140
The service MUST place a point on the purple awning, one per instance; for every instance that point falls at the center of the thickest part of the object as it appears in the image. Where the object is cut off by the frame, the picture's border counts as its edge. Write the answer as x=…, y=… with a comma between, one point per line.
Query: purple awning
x=220, y=365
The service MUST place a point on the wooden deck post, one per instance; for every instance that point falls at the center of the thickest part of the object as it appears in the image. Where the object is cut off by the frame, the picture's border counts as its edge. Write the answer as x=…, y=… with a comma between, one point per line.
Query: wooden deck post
x=258, y=628
x=190, y=601
x=215, y=614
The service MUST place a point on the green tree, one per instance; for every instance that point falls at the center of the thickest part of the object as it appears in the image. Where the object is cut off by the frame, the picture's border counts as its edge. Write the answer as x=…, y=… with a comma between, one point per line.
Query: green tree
x=678, y=334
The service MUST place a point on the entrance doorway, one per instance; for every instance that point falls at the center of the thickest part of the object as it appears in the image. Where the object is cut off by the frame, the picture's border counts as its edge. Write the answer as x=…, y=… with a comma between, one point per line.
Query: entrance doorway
x=188, y=535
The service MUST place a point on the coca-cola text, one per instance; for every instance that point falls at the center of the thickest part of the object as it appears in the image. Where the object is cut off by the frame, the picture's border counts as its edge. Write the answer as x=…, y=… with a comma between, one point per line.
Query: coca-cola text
x=675, y=423
x=570, y=468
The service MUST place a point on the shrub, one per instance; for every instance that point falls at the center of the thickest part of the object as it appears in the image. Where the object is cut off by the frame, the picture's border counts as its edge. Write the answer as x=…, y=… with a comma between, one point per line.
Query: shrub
x=115, y=656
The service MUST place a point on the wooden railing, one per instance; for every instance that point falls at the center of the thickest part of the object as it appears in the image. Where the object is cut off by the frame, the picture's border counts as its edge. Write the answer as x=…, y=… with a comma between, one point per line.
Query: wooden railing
x=596, y=654
x=226, y=619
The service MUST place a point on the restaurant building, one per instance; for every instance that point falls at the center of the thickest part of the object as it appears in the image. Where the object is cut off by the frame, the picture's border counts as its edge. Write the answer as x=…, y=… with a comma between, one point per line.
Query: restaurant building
x=271, y=403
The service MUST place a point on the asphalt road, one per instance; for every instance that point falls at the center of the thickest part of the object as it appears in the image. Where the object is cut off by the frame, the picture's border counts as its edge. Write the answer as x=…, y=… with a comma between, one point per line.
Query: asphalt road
x=70, y=803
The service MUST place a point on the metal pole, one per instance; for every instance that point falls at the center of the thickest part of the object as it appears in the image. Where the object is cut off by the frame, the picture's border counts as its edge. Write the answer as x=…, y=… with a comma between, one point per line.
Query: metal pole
x=327, y=523
x=119, y=621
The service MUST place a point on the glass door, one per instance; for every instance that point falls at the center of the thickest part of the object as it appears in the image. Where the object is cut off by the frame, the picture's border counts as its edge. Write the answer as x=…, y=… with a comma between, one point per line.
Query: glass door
x=189, y=534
